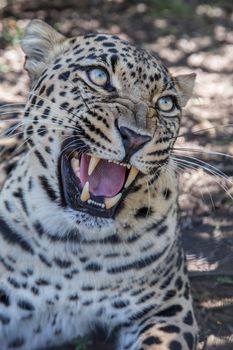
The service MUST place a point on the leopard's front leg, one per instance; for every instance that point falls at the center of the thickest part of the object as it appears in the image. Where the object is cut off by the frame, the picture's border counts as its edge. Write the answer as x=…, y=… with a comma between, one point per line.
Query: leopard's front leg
x=173, y=328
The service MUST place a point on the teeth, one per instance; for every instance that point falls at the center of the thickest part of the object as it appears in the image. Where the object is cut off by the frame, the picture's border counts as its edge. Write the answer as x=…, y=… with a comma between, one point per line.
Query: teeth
x=118, y=163
x=132, y=174
x=92, y=165
x=75, y=165
x=85, y=192
x=101, y=205
x=76, y=155
x=110, y=202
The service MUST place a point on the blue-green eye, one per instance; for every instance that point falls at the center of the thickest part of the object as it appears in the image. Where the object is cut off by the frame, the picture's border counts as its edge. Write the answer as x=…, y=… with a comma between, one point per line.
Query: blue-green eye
x=98, y=76
x=165, y=103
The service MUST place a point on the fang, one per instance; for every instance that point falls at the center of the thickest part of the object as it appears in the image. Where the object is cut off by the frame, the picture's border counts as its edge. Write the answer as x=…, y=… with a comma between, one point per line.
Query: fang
x=93, y=164
x=85, y=192
x=132, y=175
x=75, y=164
x=110, y=202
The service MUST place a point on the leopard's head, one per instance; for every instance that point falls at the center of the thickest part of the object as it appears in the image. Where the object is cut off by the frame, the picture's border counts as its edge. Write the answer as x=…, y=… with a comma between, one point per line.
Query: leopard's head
x=102, y=119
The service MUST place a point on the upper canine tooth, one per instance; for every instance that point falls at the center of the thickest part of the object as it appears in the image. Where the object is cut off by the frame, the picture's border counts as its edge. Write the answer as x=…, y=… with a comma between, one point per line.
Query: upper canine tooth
x=110, y=202
x=85, y=195
x=75, y=164
x=92, y=165
x=132, y=174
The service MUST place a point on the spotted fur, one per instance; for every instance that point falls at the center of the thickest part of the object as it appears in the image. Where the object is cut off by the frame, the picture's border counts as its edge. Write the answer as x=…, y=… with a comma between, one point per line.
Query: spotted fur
x=63, y=271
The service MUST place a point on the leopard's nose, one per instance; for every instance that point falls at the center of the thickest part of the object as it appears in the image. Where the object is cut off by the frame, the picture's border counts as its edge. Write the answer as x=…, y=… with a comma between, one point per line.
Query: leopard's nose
x=132, y=140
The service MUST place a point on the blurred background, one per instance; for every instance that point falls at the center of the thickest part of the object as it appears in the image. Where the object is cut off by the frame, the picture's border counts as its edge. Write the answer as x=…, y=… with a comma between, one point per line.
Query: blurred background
x=189, y=36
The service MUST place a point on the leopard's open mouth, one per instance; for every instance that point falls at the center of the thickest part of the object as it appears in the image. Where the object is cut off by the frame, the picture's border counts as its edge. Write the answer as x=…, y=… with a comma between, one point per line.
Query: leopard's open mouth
x=93, y=185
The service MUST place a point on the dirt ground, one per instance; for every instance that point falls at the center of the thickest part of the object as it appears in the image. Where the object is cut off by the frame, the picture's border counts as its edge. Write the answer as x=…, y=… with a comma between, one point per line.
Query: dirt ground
x=190, y=36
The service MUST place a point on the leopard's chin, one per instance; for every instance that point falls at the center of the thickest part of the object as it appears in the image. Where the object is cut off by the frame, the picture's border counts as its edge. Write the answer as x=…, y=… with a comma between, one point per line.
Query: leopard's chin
x=93, y=185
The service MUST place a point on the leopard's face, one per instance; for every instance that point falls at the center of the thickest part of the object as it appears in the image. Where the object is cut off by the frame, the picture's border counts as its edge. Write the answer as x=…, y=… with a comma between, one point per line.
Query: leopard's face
x=105, y=116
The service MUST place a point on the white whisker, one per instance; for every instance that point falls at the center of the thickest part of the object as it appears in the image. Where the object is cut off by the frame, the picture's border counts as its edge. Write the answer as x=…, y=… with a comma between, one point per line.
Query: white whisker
x=197, y=150
x=193, y=165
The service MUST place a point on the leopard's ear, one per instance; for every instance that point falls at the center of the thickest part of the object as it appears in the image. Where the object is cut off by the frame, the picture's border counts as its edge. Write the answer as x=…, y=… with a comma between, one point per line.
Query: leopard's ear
x=184, y=84
x=41, y=43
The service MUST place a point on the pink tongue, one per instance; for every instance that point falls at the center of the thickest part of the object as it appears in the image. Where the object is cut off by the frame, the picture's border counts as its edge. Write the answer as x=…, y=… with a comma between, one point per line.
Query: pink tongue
x=106, y=180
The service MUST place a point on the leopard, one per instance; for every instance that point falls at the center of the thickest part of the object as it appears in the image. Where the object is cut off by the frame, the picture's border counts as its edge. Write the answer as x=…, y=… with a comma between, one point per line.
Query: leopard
x=89, y=234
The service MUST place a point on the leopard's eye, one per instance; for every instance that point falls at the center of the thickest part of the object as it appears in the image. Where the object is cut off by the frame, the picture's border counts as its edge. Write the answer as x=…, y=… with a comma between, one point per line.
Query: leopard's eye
x=98, y=76
x=165, y=104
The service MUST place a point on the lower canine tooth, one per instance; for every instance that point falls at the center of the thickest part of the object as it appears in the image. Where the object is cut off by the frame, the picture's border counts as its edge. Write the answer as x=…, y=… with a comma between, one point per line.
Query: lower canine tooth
x=132, y=174
x=92, y=164
x=85, y=195
x=110, y=202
